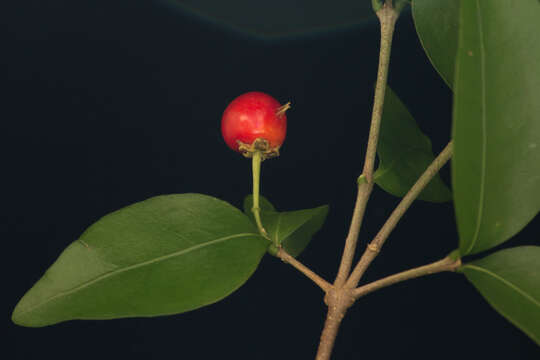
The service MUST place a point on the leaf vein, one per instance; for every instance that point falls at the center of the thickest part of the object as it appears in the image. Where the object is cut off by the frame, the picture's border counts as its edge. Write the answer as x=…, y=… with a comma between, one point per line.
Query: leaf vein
x=481, y=204
x=506, y=282
x=278, y=224
x=134, y=266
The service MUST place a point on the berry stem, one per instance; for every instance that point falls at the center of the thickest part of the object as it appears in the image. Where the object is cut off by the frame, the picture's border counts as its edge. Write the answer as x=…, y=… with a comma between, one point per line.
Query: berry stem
x=256, y=165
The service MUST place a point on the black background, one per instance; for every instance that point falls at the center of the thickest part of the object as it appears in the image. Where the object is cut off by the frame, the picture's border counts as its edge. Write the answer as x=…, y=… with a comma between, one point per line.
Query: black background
x=106, y=103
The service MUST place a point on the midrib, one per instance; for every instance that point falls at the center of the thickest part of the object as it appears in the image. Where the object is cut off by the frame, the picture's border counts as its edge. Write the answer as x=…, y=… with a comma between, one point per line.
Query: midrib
x=135, y=266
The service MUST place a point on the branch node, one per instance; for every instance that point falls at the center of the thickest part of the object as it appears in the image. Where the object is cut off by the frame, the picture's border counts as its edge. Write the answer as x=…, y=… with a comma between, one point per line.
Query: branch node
x=373, y=247
x=362, y=180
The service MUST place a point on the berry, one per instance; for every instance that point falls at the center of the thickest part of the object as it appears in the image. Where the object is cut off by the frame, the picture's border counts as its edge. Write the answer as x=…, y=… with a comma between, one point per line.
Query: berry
x=255, y=121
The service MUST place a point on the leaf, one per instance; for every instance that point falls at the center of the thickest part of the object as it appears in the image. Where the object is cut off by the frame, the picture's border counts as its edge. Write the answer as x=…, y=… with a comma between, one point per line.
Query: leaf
x=405, y=153
x=276, y=18
x=292, y=229
x=436, y=23
x=510, y=281
x=165, y=255
x=496, y=172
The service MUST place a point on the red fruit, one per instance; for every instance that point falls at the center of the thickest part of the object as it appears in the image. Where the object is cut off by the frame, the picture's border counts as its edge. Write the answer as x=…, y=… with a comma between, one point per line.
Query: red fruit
x=254, y=115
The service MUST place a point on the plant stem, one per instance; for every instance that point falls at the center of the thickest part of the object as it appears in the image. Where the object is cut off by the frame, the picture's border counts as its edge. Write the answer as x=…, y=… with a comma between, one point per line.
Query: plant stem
x=375, y=245
x=330, y=331
x=446, y=264
x=337, y=309
x=339, y=298
x=286, y=257
x=256, y=166
x=387, y=17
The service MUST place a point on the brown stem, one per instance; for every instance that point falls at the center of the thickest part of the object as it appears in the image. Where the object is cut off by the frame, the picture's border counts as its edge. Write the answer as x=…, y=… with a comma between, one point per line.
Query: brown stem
x=446, y=264
x=286, y=257
x=339, y=298
x=330, y=331
x=387, y=17
x=374, y=247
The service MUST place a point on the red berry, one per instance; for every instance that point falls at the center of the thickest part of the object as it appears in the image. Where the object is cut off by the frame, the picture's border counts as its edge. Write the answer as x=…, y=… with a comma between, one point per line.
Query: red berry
x=254, y=115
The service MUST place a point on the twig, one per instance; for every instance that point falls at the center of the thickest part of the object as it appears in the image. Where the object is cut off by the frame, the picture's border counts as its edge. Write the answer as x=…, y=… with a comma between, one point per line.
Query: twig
x=339, y=298
x=330, y=331
x=387, y=17
x=446, y=264
x=286, y=257
x=374, y=247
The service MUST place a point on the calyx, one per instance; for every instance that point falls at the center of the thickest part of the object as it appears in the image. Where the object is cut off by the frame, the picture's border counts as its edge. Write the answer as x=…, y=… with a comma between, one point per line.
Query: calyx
x=259, y=145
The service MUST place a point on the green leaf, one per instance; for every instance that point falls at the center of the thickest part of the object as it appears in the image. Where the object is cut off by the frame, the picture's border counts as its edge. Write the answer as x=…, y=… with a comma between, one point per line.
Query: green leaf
x=405, y=153
x=495, y=169
x=165, y=255
x=436, y=23
x=292, y=229
x=510, y=281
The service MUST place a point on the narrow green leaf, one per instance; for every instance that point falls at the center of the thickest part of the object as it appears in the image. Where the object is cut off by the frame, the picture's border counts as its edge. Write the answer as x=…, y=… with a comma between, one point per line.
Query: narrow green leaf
x=495, y=169
x=292, y=229
x=405, y=153
x=165, y=255
x=436, y=23
x=510, y=281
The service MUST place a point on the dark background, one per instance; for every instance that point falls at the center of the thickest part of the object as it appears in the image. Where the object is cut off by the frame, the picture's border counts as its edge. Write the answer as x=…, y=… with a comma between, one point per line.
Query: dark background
x=106, y=103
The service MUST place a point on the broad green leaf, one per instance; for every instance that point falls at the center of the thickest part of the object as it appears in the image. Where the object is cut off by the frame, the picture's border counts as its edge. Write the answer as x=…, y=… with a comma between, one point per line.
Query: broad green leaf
x=165, y=255
x=405, y=153
x=292, y=229
x=510, y=281
x=436, y=23
x=496, y=171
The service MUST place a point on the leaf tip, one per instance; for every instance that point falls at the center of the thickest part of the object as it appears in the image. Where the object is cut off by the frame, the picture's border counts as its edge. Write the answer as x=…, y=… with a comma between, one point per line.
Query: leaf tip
x=15, y=316
x=18, y=316
x=325, y=209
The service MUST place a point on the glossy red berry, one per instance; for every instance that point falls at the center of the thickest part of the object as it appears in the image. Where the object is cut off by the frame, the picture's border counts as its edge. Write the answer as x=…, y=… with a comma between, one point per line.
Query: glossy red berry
x=254, y=115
